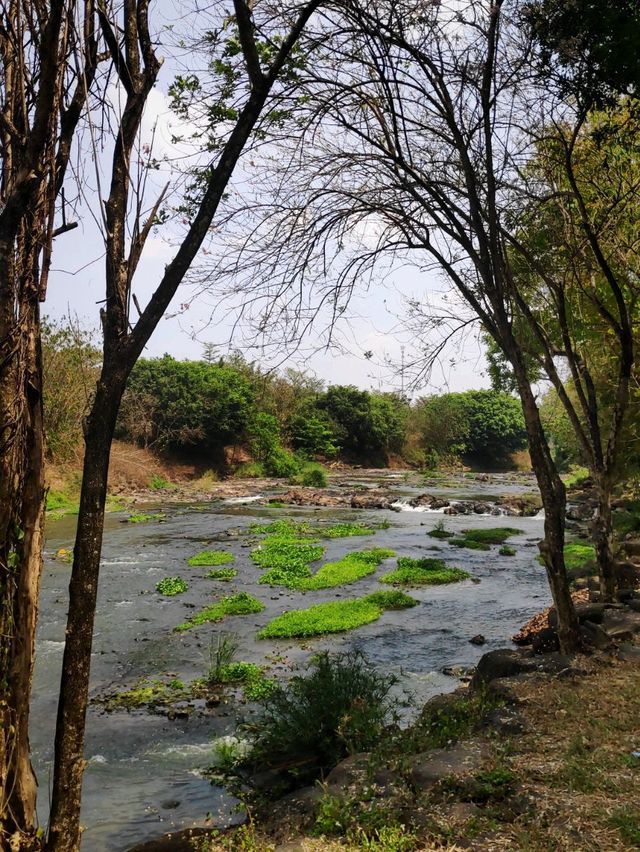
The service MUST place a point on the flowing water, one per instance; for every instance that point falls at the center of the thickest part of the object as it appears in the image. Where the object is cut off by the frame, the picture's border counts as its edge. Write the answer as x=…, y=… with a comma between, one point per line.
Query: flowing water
x=143, y=775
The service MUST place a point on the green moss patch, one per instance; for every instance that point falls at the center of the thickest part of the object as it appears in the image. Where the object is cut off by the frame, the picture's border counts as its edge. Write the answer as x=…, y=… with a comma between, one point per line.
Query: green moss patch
x=423, y=572
x=211, y=557
x=345, y=530
x=256, y=685
x=293, y=529
x=240, y=604
x=333, y=617
x=145, y=692
x=171, y=586
x=440, y=532
x=469, y=543
x=222, y=574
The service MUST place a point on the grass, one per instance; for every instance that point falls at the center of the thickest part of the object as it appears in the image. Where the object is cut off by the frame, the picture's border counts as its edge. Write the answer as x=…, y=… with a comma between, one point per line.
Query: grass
x=222, y=574
x=293, y=529
x=211, y=557
x=577, y=554
x=60, y=503
x=350, y=568
x=171, y=586
x=250, y=470
x=333, y=617
x=285, y=558
x=423, y=572
x=239, y=604
x=469, y=543
x=256, y=685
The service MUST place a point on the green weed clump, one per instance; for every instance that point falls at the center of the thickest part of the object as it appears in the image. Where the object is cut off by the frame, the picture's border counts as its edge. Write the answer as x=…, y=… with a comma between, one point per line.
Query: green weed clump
x=577, y=554
x=255, y=684
x=507, y=550
x=146, y=692
x=171, y=586
x=345, y=530
x=423, y=572
x=339, y=707
x=333, y=617
x=143, y=517
x=211, y=557
x=496, y=535
x=439, y=531
x=159, y=483
x=250, y=470
x=59, y=503
x=289, y=555
x=225, y=574
x=239, y=604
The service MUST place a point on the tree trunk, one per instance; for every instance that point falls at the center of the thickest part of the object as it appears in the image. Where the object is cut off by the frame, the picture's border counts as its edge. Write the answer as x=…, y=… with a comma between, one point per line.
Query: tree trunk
x=21, y=528
x=602, y=531
x=553, y=495
x=64, y=831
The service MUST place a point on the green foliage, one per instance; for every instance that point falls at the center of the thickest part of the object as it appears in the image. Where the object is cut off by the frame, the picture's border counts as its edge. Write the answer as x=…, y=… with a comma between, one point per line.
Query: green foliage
x=285, y=558
x=628, y=824
x=507, y=550
x=159, y=483
x=71, y=362
x=221, y=655
x=241, y=603
x=578, y=554
x=171, y=586
x=350, y=568
x=333, y=617
x=186, y=404
x=486, y=424
x=440, y=532
x=345, y=530
x=61, y=503
x=222, y=574
x=314, y=477
x=340, y=707
x=281, y=464
x=364, y=821
x=481, y=539
x=250, y=470
x=423, y=572
x=440, y=727
x=145, y=693
x=143, y=517
x=313, y=435
x=211, y=557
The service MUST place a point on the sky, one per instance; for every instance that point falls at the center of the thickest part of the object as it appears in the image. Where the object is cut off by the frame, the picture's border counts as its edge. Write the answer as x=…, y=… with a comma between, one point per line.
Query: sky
x=372, y=346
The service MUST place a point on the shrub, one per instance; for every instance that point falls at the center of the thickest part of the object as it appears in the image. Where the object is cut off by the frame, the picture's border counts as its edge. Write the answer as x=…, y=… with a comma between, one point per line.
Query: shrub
x=507, y=550
x=314, y=477
x=171, y=586
x=250, y=470
x=340, y=707
x=281, y=463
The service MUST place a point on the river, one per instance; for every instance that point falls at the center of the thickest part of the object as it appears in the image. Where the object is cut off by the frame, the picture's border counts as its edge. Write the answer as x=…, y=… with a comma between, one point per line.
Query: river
x=143, y=775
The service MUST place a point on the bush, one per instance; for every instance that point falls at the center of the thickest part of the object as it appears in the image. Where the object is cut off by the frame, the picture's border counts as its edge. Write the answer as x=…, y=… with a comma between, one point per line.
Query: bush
x=314, y=477
x=340, y=707
x=281, y=463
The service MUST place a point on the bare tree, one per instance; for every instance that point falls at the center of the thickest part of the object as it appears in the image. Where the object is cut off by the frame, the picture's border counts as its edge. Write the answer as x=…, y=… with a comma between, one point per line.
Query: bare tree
x=414, y=135
x=264, y=49
x=48, y=66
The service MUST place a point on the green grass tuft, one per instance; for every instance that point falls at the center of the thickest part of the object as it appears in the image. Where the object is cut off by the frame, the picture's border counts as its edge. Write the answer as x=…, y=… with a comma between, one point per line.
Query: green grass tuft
x=333, y=617
x=577, y=554
x=507, y=550
x=496, y=535
x=171, y=586
x=211, y=557
x=350, y=568
x=469, y=543
x=142, y=517
x=423, y=572
x=240, y=604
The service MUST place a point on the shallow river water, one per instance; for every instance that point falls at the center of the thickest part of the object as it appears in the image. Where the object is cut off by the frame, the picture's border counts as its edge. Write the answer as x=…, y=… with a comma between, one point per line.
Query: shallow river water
x=142, y=777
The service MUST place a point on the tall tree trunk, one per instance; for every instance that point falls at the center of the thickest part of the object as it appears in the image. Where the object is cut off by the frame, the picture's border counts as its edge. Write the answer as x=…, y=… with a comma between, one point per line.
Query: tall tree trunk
x=602, y=531
x=64, y=831
x=553, y=495
x=22, y=501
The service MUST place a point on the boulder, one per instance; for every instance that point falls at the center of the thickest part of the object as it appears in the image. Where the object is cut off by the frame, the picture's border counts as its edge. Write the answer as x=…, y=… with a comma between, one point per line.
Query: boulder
x=370, y=501
x=545, y=641
x=585, y=612
x=503, y=662
x=429, y=768
x=352, y=770
x=621, y=625
x=478, y=639
x=595, y=636
x=505, y=721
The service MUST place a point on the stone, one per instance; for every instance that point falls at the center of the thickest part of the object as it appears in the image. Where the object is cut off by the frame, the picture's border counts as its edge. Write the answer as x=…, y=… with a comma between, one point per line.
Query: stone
x=461, y=812
x=427, y=769
x=545, y=641
x=629, y=653
x=352, y=770
x=594, y=635
x=504, y=720
x=617, y=623
x=478, y=639
x=503, y=662
x=585, y=612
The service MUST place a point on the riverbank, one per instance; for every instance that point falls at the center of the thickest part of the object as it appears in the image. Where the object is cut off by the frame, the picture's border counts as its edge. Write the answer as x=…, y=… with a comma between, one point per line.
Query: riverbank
x=549, y=759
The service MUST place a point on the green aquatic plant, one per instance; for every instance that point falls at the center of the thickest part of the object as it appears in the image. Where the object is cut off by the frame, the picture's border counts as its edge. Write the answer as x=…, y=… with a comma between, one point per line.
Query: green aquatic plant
x=144, y=693
x=290, y=555
x=211, y=557
x=507, y=550
x=350, y=568
x=345, y=530
x=171, y=586
x=240, y=604
x=60, y=503
x=222, y=574
x=333, y=617
x=255, y=684
x=293, y=529
x=142, y=517
x=439, y=531
x=495, y=535
x=423, y=572
x=469, y=543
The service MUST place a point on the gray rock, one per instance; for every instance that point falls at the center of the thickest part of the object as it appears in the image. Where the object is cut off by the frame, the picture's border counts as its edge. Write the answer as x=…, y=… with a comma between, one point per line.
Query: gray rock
x=430, y=767
x=352, y=770
x=504, y=720
x=503, y=662
x=594, y=635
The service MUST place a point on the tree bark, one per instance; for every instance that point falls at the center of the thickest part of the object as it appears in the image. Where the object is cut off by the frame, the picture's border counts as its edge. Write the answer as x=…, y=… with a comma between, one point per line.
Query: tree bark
x=602, y=531
x=64, y=834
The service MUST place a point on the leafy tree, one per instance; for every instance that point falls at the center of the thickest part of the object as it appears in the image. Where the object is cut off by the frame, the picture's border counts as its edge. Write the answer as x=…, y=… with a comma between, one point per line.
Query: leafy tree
x=313, y=435
x=195, y=404
x=496, y=424
x=368, y=426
